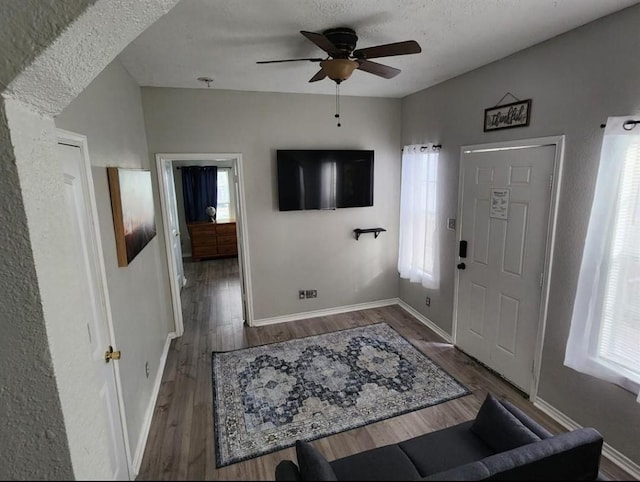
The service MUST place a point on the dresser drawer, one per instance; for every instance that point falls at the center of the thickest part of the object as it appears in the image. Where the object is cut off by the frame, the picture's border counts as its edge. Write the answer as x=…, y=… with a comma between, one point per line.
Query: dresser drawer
x=227, y=249
x=227, y=240
x=202, y=228
x=226, y=228
x=204, y=251
x=203, y=239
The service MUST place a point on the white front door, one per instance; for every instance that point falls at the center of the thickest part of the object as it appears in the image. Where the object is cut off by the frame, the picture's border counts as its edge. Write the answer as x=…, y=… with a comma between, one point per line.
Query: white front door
x=78, y=203
x=176, y=243
x=505, y=200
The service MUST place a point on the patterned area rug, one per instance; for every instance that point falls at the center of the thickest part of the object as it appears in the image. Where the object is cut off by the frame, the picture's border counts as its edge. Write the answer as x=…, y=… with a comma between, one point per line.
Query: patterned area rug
x=266, y=397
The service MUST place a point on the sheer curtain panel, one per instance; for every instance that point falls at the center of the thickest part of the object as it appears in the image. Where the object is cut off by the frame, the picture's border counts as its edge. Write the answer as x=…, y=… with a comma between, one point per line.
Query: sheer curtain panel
x=418, y=252
x=604, y=338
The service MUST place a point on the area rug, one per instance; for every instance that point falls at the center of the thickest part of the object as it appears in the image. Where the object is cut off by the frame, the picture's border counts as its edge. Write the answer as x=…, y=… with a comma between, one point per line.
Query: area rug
x=266, y=397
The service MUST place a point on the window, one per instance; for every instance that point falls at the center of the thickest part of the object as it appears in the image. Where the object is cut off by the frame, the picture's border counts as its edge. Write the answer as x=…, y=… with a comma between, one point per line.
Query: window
x=604, y=339
x=418, y=259
x=223, y=211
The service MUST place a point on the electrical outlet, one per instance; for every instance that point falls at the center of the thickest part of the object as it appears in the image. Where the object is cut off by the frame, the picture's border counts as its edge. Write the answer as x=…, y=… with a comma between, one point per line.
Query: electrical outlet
x=146, y=369
x=451, y=223
x=312, y=293
x=301, y=295
x=427, y=301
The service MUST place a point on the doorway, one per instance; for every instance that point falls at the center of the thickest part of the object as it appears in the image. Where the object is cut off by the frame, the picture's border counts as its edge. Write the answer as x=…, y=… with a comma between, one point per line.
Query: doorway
x=507, y=211
x=235, y=220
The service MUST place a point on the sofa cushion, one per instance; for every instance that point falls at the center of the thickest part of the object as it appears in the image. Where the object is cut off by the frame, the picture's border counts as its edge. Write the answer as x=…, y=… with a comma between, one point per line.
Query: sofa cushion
x=312, y=464
x=383, y=463
x=444, y=449
x=499, y=428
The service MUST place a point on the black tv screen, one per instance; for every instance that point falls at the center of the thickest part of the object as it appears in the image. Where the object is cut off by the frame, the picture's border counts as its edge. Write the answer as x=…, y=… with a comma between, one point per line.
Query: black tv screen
x=324, y=179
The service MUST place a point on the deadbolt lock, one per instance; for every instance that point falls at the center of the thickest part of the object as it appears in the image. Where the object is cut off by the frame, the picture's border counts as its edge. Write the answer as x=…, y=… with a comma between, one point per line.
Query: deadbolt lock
x=112, y=355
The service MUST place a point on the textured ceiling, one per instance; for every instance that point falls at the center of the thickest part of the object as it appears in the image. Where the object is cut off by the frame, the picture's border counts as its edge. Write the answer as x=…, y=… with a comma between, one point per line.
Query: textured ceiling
x=223, y=39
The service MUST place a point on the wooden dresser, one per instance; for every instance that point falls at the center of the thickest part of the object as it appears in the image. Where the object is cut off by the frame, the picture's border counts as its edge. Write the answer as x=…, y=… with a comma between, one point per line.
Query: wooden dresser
x=213, y=240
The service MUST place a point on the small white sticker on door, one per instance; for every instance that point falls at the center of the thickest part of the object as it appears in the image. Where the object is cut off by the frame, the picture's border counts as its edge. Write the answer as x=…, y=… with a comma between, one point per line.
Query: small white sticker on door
x=499, y=204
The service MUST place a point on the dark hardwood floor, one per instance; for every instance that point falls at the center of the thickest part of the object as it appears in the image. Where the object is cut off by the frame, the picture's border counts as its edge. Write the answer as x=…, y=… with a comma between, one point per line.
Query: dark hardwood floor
x=181, y=440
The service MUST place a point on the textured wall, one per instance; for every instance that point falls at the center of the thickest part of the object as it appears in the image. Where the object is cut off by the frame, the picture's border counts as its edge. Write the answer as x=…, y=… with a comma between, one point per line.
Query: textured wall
x=32, y=415
x=109, y=113
x=296, y=249
x=27, y=27
x=53, y=72
x=576, y=81
x=81, y=51
x=42, y=188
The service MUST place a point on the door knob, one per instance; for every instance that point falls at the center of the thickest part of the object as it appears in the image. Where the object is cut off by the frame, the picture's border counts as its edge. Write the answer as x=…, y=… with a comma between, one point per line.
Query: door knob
x=462, y=266
x=112, y=355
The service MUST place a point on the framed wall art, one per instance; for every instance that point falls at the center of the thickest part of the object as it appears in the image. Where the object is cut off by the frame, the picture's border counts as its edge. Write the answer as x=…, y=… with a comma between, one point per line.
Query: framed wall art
x=516, y=114
x=133, y=211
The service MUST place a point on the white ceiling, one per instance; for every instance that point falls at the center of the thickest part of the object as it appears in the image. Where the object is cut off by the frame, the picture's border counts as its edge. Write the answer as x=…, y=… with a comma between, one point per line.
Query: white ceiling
x=223, y=39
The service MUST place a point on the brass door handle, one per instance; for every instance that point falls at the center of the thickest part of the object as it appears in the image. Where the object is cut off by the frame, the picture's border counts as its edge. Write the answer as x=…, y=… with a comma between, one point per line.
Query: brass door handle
x=112, y=355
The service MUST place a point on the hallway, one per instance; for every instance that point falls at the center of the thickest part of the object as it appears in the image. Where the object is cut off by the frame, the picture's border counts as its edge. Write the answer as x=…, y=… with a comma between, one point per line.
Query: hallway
x=212, y=303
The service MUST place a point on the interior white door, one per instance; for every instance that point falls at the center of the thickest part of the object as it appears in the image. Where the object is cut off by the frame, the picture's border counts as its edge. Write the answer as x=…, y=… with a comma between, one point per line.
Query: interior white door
x=506, y=195
x=239, y=234
x=79, y=210
x=176, y=242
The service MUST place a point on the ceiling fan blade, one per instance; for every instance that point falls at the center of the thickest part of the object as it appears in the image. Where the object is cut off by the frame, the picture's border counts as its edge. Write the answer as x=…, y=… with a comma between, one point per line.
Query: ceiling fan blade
x=288, y=60
x=378, y=69
x=321, y=74
x=388, y=50
x=321, y=41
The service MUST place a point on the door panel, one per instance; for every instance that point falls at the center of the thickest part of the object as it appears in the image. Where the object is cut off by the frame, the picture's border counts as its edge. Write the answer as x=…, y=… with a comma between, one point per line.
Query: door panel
x=77, y=203
x=515, y=238
x=176, y=236
x=481, y=231
x=499, y=291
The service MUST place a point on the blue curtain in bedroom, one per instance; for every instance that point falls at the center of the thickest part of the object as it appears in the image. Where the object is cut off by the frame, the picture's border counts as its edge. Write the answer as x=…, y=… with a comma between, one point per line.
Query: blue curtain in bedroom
x=200, y=186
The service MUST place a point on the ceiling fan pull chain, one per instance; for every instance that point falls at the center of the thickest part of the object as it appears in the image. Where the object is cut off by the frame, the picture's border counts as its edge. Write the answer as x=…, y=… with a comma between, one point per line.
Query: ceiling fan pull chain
x=337, y=116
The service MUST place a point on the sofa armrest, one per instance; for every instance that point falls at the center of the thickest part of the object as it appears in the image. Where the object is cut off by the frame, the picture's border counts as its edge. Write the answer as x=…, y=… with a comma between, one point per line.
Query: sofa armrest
x=287, y=471
x=527, y=421
x=573, y=455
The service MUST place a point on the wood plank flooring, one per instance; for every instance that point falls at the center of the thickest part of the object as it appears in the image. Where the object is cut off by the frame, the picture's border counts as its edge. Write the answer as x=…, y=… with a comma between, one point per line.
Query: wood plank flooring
x=181, y=439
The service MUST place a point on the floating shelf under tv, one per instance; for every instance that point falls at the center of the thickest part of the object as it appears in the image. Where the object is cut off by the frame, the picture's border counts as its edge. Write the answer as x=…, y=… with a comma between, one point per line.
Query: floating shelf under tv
x=375, y=231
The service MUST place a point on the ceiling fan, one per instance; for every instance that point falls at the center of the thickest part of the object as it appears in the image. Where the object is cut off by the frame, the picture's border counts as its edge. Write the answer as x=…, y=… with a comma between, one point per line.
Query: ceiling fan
x=342, y=60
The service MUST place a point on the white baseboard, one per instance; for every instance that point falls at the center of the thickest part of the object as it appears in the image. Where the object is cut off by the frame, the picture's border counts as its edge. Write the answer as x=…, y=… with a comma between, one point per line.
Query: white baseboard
x=622, y=461
x=326, y=312
x=425, y=321
x=146, y=424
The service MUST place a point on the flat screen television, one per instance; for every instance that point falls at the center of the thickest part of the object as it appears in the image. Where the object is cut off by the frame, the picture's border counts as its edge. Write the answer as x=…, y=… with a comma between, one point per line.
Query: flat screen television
x=324, y=179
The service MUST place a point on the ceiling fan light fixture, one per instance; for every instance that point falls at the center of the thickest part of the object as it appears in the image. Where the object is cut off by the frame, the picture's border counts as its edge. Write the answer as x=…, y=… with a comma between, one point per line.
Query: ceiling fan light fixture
x=339, y=69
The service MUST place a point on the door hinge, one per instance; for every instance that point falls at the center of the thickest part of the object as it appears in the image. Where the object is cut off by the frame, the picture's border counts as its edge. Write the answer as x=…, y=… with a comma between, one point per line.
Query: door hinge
x=551, y=183
x=541, y=279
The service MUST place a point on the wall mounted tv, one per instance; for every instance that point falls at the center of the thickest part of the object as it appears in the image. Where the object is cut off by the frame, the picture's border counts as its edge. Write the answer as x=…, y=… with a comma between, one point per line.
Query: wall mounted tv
x=324, y=179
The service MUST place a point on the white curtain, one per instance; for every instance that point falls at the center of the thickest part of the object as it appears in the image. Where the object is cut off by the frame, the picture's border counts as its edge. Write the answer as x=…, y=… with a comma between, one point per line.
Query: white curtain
x=418, y=257
x=604, y=338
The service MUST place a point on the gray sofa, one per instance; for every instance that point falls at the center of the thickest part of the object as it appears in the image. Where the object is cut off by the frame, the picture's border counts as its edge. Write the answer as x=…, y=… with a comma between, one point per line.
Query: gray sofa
x=502, y=443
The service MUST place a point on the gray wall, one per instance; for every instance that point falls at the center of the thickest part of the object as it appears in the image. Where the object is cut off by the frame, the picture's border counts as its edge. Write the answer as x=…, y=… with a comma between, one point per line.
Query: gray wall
x=576, y=81
x=303, y=249
x=109, y=113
